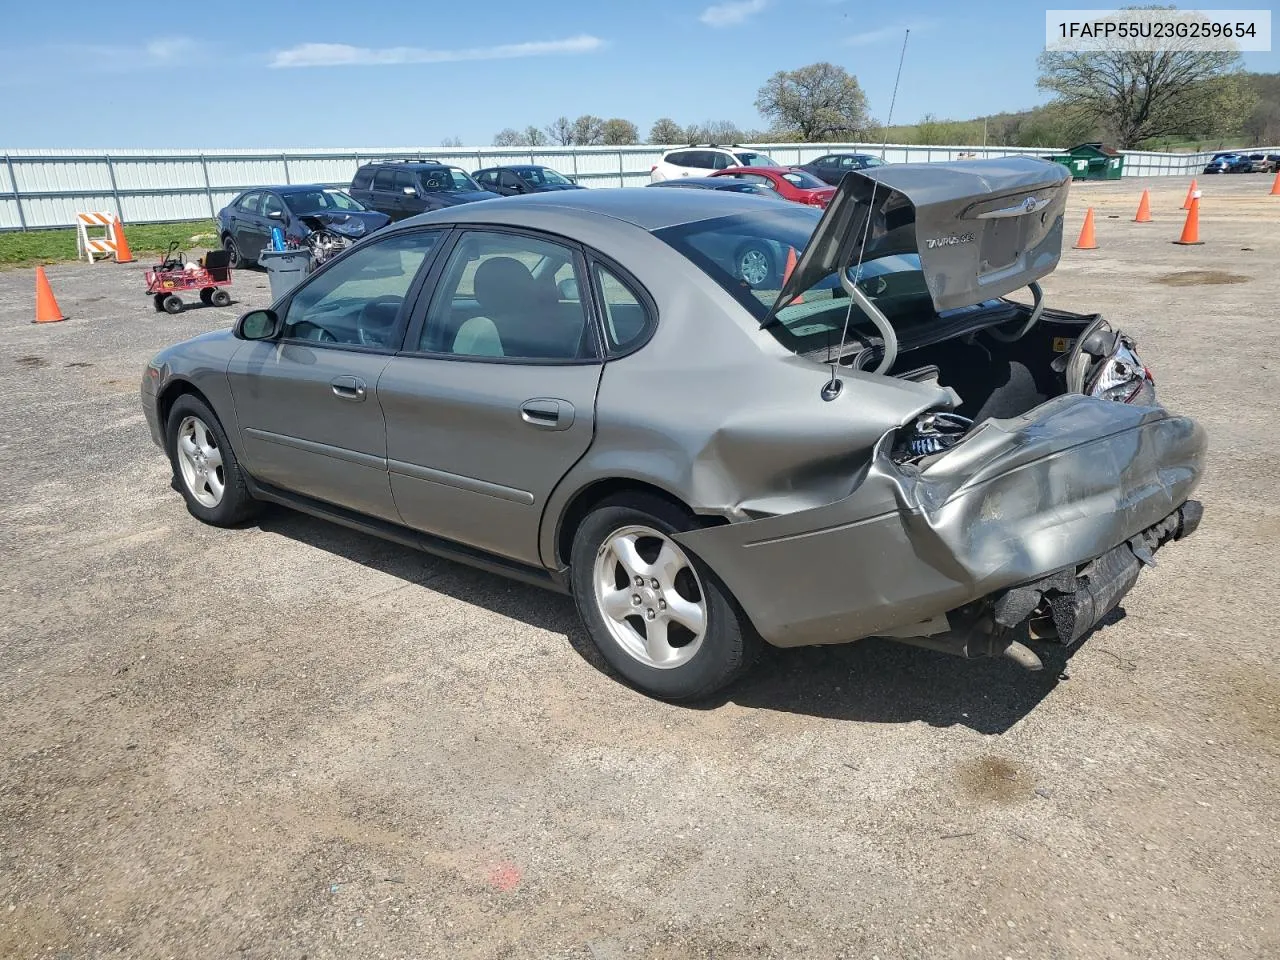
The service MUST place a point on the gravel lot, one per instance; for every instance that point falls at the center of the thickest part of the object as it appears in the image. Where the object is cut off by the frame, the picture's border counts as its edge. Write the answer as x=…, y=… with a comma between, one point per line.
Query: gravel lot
x=295, y=741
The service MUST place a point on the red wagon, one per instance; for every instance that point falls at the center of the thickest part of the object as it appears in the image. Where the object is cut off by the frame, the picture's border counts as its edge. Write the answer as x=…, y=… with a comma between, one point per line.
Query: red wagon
x=168, y=279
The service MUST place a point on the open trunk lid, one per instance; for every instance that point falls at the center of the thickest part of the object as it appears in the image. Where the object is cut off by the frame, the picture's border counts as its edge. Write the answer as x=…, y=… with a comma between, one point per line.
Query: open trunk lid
x=982, y=228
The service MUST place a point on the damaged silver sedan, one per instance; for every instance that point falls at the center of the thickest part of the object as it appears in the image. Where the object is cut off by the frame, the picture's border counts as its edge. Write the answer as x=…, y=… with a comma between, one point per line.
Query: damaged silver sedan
x=714, y=421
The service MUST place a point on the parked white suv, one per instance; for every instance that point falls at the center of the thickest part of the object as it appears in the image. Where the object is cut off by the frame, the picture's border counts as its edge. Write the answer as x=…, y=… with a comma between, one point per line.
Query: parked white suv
x=704, y=160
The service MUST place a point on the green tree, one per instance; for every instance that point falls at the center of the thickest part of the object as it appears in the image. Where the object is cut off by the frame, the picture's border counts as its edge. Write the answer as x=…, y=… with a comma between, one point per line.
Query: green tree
x=666, y=131
x=821, y=101
x=1136, y=95
x=618, y=131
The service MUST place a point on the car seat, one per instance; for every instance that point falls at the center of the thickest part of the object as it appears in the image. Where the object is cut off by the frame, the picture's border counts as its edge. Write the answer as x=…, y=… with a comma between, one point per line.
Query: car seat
x=519, y=316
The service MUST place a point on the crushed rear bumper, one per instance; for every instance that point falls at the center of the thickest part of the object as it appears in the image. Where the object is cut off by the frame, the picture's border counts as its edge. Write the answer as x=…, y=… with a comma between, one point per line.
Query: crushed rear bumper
x=1017, y=501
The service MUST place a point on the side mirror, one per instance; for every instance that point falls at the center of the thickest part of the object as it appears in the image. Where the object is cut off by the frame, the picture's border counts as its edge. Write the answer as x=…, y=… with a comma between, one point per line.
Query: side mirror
x=257, y=325
x=410, y=192
x=275, y=215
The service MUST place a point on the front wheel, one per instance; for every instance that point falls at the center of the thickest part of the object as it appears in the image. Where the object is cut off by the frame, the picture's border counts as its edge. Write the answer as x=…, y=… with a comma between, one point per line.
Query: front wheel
x=659, y=616
x=754, y=264
x=208, y=471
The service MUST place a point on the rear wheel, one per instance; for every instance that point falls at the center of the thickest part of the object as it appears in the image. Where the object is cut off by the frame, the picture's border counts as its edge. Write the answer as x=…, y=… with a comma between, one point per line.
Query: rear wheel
x=220, y=298
x=172, y=303
x=658, y=615
x=208, y=472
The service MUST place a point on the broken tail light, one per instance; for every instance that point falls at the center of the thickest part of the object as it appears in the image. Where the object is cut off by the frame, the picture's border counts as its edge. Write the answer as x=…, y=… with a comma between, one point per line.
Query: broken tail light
x=1122, y=376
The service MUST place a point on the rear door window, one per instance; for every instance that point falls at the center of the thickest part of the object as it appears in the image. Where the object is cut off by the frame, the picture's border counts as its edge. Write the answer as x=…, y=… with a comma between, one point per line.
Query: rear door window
x=385, y=180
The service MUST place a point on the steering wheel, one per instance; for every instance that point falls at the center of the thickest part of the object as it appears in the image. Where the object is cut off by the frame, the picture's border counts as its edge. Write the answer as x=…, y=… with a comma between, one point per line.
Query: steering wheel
x=303, y=331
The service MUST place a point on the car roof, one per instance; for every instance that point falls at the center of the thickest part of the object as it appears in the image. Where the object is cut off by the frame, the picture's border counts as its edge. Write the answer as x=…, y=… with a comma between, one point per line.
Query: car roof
x=647, y=209
x=413, y=164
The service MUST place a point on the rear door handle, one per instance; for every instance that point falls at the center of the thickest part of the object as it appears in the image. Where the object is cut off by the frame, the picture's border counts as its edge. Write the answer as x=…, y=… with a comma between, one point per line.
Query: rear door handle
x=348, y=388
x=547, y=413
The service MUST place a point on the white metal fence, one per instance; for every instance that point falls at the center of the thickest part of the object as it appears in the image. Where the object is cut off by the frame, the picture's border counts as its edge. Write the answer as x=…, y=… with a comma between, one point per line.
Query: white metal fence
x=45, y=188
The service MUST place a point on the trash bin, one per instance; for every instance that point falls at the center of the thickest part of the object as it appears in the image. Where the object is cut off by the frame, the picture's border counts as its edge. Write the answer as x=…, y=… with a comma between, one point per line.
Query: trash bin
x=285, y=269
x=1079, y=166
x=1100, y=162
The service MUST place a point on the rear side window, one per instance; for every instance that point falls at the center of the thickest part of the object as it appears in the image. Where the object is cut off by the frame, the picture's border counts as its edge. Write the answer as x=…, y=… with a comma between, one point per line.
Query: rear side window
x=362, y=179
x=627, y=319
x=680, y=158
x=385, y=180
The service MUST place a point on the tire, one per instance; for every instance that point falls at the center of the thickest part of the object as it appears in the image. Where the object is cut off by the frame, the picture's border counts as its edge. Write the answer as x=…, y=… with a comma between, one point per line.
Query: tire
x=158, y=302
x=172, y=304
x=206, y=296
x=694, y=665
x=238, y=260
x=234, y=504
x=220, y=298
x=753, y=264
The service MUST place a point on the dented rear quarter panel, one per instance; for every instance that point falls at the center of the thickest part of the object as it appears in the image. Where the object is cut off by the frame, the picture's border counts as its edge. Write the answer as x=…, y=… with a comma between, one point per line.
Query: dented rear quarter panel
x=1016, y=500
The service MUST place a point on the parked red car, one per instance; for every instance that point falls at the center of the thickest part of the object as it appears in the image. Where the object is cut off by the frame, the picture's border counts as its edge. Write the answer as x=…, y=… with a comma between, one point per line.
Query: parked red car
x=792, y=183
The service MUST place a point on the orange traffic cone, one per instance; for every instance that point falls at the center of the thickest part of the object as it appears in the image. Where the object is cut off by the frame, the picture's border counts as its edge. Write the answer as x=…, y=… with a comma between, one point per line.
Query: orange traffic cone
x=1144, y=208
x=1087, y=239
x=1191, y=190
x=786, y=274
x=123, y=253
x=46, y=304
x=1191, y=229
x=1275, y=187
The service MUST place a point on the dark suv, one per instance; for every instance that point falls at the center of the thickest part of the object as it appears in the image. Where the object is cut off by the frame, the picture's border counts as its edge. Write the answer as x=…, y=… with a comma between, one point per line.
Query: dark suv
x=403, y=188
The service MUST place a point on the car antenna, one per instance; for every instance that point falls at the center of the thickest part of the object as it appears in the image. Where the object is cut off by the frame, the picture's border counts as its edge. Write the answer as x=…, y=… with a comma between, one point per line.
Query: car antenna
x=831, y=389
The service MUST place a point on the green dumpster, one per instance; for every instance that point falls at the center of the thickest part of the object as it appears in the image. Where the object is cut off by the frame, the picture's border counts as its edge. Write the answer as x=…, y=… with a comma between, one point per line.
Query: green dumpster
x=1100, y=162
x=1079, y=166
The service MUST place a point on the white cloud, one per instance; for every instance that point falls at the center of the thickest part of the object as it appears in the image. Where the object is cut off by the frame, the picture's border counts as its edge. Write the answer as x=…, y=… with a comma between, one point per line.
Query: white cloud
x=732, y=12
x=345, y=55
x=166, y=49
x=888, y=34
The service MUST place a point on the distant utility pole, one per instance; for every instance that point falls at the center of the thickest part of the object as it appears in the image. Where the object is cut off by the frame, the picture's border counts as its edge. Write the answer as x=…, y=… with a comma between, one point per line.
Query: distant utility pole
x=984, y=132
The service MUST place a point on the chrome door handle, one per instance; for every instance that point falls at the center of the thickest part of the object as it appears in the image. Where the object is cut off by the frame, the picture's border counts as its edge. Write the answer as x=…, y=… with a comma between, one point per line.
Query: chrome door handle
x=547, y=413
x=348, y=388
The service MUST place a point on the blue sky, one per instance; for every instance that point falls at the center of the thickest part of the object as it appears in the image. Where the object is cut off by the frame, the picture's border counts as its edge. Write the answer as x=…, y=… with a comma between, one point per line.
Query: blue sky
x=329, y=73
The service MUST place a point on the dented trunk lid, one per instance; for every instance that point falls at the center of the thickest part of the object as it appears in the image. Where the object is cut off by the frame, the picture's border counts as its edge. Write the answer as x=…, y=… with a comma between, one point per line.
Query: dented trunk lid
x=982, y=228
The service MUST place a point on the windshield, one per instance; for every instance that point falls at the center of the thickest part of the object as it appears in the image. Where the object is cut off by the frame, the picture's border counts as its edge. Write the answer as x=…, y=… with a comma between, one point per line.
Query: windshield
x=748, y=254
x=805, y=181
x=307, y=202
x=543, y=175
x=749, y=159
x=448, y=179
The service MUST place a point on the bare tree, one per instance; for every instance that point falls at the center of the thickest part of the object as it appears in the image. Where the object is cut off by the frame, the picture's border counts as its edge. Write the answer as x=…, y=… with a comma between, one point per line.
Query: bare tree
x=618, y=131
x=821, y=102
x=451, y=142
x=666, y=131
x=509, y=137
x=1139, y=94
x=714, y=131
x=560, y=131
x=534, y=136
x=588, y=130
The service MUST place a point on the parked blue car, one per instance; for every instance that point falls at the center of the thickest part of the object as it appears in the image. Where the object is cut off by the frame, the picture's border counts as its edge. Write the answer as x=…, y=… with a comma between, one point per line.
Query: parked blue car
x=1228, y=163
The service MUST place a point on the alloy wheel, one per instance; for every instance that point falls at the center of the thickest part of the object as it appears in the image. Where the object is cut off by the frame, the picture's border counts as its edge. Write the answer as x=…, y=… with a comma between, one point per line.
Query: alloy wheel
x=753, y=266
x=200, y=462
x=650, y=597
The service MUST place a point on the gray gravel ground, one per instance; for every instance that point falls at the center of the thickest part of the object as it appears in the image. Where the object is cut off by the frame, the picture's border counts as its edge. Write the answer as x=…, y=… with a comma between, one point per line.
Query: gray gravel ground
x=295, y=741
